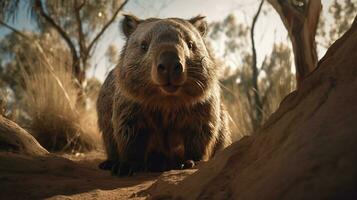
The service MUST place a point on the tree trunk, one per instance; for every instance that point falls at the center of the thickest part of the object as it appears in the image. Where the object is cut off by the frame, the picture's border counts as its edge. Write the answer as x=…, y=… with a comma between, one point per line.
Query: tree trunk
x=15, y=139
x=257, y=105
x=306, y=149
x=300, y=19
x=79, y=78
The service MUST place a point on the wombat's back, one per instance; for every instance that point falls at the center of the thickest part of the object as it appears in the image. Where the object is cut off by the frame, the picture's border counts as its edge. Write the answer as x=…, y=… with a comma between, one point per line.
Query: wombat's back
x=104, y=112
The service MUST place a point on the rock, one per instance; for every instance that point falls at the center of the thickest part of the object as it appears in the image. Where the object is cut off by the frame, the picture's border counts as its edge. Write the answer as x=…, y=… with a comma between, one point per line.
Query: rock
x=306, y=150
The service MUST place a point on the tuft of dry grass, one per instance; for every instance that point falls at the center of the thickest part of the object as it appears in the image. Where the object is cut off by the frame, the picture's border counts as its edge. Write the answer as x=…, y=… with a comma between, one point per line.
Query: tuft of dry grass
x=240, y=109
x=240, y=124
x=50, y=102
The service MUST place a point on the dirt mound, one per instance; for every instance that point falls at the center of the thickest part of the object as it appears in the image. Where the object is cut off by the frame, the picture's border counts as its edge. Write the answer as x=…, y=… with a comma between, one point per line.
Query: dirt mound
x=306, y=150
x=15, y=139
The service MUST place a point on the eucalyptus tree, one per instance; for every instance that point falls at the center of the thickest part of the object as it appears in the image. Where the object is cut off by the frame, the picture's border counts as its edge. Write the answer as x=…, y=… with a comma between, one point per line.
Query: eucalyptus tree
x=80, y=25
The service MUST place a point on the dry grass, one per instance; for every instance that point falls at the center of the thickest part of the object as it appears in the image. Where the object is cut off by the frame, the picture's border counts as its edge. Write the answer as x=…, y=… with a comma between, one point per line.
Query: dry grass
x=50, y=101
x=239, y=123
x=240, y=109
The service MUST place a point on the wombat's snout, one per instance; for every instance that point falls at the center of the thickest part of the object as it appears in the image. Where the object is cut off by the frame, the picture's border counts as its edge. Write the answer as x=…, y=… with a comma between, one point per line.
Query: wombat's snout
x=169, y=72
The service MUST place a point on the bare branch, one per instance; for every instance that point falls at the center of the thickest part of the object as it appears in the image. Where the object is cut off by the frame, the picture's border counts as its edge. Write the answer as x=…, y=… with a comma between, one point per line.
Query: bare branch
x=14, y=30
x=105, y=27
x=63, y=34
x=81, y=38
x=255, y=73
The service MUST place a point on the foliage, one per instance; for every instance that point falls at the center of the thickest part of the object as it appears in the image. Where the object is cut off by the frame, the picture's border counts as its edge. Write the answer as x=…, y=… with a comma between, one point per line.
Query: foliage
x=79, y=24
x=44, y=93
x=275, y=78
x=44, y=70
x=342, y=13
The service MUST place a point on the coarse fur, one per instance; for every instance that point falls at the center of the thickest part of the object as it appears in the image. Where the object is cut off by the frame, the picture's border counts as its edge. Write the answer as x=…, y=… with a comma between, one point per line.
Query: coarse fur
x=146, y=128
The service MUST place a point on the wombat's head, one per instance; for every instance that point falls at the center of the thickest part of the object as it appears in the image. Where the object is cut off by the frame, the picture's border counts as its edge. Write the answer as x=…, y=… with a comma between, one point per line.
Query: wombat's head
x=165, y=62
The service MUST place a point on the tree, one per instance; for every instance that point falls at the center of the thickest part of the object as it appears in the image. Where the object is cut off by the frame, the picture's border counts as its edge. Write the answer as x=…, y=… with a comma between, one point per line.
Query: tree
x=257, y=84
x=342, y=14
x=301, y=18
x=74, y=21
x=273, y=78
x=24, y=57
x=48, y=62
x=257, y=97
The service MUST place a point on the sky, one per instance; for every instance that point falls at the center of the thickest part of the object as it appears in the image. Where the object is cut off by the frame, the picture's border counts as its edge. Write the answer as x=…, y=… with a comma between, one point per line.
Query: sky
x=269, y=28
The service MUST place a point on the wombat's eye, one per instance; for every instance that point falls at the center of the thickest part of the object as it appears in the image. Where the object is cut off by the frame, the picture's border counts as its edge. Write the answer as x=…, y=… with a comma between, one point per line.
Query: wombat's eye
x=190, y=44
x=144, y=46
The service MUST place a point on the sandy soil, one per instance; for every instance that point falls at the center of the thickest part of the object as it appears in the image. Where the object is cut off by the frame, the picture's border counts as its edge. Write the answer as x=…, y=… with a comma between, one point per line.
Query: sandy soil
x=70, y=177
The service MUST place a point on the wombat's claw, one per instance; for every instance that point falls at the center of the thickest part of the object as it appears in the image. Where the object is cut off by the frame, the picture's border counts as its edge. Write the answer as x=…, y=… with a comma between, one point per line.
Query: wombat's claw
x=106, y=165
x=122, y=169
x=188, y=164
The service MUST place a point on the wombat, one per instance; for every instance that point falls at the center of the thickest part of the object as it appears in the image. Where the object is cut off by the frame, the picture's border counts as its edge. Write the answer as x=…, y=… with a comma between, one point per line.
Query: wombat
x=160, y=108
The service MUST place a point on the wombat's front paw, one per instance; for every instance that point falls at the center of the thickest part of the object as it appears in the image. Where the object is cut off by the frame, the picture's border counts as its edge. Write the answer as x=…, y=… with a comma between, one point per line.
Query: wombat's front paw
x=124, y=169
x=157, y=162
x=188, y=164
x=106, y=165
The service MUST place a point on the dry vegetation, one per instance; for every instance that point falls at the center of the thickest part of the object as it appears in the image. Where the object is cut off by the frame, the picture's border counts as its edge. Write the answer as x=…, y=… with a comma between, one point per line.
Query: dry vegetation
x=50, y=100
x=46, y=98
x=239, y=106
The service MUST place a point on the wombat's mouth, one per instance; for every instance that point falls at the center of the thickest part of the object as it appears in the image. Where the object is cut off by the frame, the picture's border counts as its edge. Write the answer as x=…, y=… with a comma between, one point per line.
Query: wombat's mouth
x=170, y=89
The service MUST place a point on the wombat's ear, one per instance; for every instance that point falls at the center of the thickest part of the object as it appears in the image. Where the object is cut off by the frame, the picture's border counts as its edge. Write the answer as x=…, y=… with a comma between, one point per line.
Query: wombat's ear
x=200, y=23
x=129, y=24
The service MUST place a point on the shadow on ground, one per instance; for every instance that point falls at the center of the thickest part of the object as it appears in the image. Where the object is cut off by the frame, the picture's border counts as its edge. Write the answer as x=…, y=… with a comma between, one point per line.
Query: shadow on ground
x=23, y=177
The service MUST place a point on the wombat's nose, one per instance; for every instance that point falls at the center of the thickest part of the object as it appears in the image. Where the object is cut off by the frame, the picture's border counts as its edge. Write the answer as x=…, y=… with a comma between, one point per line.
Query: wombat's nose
x=175, y=68
x=169, y=68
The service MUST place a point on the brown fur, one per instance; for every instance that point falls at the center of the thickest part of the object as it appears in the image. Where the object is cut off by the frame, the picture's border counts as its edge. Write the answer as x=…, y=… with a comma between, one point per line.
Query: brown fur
x=145, y=128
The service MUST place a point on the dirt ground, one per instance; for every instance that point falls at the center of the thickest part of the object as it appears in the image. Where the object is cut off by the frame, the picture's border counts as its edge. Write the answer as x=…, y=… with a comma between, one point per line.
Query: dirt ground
x=70, y=177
